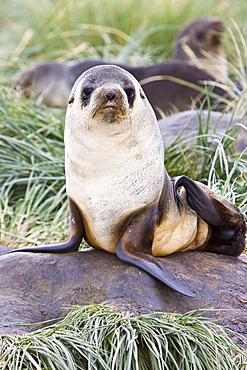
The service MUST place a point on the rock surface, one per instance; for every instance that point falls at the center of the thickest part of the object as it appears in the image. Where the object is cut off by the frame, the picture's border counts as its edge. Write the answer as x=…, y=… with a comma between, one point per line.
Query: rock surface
x=36, y=287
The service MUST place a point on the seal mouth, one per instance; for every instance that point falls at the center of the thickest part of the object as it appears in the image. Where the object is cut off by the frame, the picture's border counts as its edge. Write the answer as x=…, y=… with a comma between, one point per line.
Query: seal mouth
x=110, y=108
x=110, y=112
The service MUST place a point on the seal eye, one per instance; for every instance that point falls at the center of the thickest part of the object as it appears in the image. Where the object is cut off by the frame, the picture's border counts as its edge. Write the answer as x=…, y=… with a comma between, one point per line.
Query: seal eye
x=130, y=92
x=200, y=35
x=87, y=91
x=85, y=95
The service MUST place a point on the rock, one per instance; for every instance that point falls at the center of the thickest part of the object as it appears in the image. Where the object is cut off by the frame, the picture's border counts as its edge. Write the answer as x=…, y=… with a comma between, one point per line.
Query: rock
x=37, y=287
x=187, y=125
x=4, y=249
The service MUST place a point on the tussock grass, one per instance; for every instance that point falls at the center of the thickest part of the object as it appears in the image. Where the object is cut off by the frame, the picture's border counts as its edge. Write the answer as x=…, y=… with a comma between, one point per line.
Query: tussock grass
x=97, y=337
x=32, y=180
x=206, y=155
x=33, y=204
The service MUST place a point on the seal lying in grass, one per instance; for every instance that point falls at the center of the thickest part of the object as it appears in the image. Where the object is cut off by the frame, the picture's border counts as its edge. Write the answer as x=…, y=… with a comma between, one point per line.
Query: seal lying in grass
x=121, y=198
x=169, y=86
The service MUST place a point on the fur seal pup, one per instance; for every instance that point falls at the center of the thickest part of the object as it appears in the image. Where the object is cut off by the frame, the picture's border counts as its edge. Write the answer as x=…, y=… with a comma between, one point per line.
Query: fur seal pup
x=200, y=44
x=52, y=81
x=121, y=198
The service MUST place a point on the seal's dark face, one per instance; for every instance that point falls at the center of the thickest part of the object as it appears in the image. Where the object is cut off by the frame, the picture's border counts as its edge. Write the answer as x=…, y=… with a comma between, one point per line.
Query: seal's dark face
x=107, y=93
x=209, y=34
x=109, y=100
x=203, y=35
x=109, y=97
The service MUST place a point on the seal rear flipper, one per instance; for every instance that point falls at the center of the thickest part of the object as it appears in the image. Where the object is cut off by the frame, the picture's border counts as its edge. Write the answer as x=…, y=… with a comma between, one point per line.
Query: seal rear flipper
x=150, y=264
x=228, y=239
x=198, y=200
x=73, y=242
x=227, y=224
x=135, y=247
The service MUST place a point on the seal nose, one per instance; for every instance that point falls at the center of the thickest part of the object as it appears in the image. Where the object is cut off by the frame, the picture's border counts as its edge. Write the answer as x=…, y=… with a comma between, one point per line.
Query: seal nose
x=110, y=94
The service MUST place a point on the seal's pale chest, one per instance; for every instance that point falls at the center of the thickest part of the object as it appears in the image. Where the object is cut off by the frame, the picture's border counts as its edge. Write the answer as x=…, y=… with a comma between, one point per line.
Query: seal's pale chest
x=110, y=179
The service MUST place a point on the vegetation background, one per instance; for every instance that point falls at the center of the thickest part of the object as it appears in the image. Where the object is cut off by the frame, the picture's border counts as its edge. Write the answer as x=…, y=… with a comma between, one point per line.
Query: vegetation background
x=33, y=204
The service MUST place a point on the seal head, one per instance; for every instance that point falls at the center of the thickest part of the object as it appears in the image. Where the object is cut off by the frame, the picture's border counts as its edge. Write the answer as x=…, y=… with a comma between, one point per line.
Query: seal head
x=200, y=43
x=102, y=98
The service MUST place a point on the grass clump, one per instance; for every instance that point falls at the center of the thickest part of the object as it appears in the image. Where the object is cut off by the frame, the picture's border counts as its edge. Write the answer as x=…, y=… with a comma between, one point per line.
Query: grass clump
x=32, y=180
x=97, y=337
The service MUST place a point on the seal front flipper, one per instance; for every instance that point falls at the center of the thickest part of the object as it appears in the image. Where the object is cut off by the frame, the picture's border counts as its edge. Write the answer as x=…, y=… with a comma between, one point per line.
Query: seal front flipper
x=135, y=247
x=75, y=236
x=227, y=224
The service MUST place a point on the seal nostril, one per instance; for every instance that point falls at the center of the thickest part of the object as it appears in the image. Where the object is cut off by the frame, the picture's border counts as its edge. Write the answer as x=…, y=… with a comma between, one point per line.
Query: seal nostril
x=110, y=94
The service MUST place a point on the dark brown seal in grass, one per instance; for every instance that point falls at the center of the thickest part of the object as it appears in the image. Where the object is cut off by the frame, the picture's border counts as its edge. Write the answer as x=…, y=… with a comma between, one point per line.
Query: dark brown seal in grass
x=169, y=86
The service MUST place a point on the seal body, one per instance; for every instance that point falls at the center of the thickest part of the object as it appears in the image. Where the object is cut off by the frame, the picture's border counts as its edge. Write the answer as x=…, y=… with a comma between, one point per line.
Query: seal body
x=171, y=86
x=112, y=183
x=121, y=198
x=115, y=137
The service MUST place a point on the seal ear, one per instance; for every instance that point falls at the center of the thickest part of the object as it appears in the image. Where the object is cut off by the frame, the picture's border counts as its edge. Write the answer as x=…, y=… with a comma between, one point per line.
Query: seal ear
x=227, y=224
x=72, y=99
x=142, y=95
x=135, y=247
